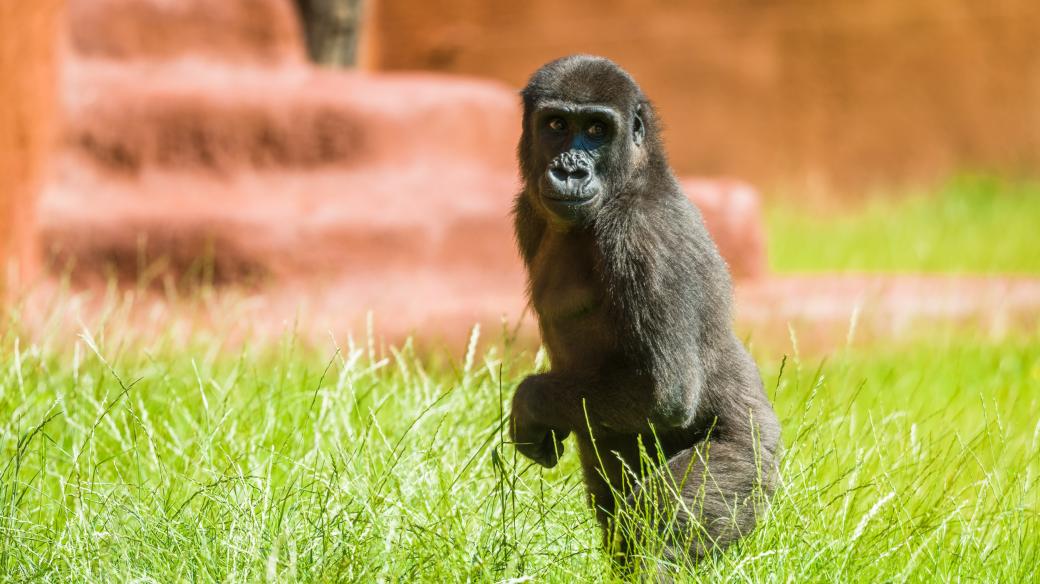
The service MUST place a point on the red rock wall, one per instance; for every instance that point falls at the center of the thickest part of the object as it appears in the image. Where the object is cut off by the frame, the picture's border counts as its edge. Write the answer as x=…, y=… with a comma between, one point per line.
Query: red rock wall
x=796, y=92
x=28, y=47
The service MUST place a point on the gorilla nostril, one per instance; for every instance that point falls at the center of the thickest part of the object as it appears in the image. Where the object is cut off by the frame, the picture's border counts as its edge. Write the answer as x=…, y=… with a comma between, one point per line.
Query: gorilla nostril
x=579, y=174
x=559, y=174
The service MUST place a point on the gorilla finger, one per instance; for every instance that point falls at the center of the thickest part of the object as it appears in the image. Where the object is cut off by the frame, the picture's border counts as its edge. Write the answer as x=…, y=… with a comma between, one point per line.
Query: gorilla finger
x=552, y=449
x=542, y=453
x=547, y=458
x=530, y=450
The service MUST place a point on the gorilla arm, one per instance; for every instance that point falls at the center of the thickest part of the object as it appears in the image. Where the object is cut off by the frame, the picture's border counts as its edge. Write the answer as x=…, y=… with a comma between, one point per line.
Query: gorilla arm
x=657, y=380
x=549, y=406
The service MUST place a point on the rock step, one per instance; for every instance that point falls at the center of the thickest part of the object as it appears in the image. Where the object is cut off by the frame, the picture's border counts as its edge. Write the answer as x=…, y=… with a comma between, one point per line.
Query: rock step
x=286, y=226
x=205, y=116
x=266, y=31
x=281, y=226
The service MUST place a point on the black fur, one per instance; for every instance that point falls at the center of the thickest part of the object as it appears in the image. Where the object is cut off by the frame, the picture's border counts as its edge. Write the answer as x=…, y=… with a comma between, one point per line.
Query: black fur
x=633, y=303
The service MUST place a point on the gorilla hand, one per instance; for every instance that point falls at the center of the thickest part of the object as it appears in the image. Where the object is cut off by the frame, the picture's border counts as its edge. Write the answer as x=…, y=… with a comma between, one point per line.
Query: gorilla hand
x=532, y=438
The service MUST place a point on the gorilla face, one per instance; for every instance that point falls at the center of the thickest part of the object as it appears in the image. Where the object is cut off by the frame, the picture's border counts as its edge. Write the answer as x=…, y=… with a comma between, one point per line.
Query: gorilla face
x=578, y=148
x=587, y=131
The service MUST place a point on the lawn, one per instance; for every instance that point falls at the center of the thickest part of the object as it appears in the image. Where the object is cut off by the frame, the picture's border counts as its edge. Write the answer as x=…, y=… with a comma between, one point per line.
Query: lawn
x=150, y=460
x=146, y=458
x=972, y=224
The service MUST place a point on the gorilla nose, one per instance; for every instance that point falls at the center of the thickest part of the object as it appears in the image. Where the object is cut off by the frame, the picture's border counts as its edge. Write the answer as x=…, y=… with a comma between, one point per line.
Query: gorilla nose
x=570, y=174
x=570, y=179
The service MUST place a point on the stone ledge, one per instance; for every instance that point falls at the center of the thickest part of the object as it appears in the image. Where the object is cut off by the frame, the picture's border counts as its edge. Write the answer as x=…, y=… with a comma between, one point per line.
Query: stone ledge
x=234, y=30
x=281, y=227
x=201, y=116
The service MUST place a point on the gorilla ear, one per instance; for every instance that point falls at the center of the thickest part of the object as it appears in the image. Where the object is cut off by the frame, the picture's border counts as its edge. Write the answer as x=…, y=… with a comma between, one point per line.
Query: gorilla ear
x=638, y=128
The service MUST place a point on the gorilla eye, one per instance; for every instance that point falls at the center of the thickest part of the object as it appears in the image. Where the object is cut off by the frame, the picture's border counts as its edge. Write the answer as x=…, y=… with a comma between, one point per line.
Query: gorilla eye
x=596, y=130
x=557, y=125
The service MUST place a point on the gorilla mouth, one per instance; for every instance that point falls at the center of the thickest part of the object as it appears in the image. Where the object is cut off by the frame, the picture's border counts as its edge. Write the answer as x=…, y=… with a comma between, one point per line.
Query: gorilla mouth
x=570, y=179
x=571, y=193
x=570, y=207
x=569, y=198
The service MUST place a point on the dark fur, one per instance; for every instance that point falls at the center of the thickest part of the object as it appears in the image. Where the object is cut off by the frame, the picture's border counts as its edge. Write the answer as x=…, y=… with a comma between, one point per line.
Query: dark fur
x=633, y=303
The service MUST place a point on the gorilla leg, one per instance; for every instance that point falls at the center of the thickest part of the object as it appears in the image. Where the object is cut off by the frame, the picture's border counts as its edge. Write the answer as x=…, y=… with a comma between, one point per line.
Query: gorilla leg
x=707, y=497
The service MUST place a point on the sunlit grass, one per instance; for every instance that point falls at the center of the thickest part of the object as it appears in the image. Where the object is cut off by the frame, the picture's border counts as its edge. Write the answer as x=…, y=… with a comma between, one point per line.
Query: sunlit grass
x=973, y=224
x=158, y=460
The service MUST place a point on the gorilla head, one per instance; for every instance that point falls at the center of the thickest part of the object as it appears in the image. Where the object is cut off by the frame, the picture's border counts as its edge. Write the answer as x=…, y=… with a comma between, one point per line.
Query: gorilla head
x=587, y=131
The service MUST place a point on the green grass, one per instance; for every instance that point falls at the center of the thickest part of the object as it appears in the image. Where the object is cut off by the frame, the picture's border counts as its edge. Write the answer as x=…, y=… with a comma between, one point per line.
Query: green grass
x=152, y=460
x=973, y=224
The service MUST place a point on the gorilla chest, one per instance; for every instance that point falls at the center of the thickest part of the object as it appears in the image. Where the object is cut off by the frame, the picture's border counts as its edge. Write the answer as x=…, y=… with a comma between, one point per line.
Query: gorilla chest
x=569, y=299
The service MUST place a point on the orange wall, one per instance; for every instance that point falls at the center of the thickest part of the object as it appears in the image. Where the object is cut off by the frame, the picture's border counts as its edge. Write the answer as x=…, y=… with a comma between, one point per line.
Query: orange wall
x=28, y=47
x=796, y=92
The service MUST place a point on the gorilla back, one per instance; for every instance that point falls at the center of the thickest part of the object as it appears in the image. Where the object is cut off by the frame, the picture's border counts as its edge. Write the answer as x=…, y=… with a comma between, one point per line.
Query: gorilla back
x=677, y=440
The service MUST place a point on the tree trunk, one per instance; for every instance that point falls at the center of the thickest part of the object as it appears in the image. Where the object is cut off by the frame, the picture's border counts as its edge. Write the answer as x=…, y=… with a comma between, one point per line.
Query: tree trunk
x=332, y=28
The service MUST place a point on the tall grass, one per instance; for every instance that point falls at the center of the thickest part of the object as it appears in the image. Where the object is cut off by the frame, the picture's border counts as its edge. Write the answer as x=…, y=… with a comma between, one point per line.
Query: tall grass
x=154, y=460
x=972, y=224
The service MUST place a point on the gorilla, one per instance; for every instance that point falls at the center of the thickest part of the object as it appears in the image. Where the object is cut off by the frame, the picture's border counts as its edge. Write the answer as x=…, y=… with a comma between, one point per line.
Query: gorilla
x=677, y=439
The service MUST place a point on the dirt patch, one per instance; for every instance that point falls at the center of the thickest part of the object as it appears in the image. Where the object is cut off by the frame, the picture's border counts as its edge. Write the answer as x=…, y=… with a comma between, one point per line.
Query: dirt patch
x=810, y=316
x=827, y=311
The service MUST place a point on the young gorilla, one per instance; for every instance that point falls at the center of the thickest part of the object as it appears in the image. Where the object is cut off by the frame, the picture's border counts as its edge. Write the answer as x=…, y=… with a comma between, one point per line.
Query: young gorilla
x=633, y=303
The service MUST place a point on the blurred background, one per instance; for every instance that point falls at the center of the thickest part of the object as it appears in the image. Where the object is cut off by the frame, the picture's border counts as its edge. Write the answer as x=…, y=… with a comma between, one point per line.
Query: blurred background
x=866, y=167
